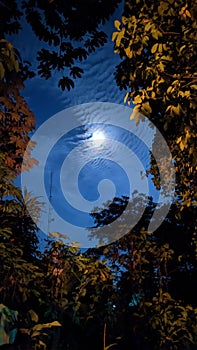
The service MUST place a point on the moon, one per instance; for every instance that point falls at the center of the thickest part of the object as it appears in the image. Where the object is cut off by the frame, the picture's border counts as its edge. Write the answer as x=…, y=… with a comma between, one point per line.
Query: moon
x=98, y=138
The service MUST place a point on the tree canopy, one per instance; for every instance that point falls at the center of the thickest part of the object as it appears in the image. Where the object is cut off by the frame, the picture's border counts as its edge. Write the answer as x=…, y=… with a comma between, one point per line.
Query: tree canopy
x=157, y=44
x=68, y=30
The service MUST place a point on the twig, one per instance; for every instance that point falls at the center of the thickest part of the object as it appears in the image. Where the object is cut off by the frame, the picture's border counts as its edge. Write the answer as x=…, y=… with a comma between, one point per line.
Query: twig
x=167, y=33
x=191, y=82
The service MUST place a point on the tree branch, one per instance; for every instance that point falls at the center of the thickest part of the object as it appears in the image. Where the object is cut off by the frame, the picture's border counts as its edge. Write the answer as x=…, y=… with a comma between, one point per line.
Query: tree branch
x=191, y=82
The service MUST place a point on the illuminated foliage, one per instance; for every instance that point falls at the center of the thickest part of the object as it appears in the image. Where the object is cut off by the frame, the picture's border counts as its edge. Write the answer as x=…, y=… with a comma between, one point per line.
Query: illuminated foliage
x=157, y=44
x=16, y=119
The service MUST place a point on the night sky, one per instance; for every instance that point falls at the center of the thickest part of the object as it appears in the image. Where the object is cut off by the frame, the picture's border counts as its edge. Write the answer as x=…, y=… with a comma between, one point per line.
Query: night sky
x=100, y=172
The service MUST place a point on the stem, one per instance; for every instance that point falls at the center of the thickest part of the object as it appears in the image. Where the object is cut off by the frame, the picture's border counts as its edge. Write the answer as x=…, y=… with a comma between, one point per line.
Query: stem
x=169, y=75
x=191, y=82
x=167, y=33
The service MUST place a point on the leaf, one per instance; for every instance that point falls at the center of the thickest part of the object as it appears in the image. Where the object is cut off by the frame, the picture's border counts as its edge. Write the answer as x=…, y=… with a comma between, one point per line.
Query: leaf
x=2, y=71
x=179, y=140
x=182, y=145
x=33, y=315
x=166, y=58
x=188, y=14
x=146, y=108
x=160, y=48
x=119, y=38
x=129, y=52
x=66, y=82
x=156, y=33
x=39, y=327
x=154, y=48
x=176, y=109
x=110, y=346
x=126, y=97
x=117, y=24
x=41, y=343
x=12, y=335
x=162, y=7
x=76, y=72
x=148, y=26
x=182, y=48
x=148, y=304
x=137, y=99
x=114, y=35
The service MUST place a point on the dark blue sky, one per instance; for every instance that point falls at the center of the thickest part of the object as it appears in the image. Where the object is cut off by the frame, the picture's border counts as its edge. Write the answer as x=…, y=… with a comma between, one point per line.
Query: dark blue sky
x=97, y=82
x=46, y=99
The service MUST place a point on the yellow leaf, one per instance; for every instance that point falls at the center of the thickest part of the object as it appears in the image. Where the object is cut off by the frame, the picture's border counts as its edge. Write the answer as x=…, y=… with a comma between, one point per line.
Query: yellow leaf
x=119, y=37
x=156, y=34
x=162, y=7
x=146, y=107
x=33, y=315
x=42, y=344
x=117, y=24
x=176, y=110
x=148, y=26
x=182, y=145
x=188, y=14
x=137, y=119
x=129, y=52
x=179, y=140
x=102, y=275
x=134, y=113
x=2, y=71
x=124, y=20
x=160, y=48
x=126, y=96
x=114, y=36
x=169, y=89
x=154, y=48
x=137, y=99
x=182, y=48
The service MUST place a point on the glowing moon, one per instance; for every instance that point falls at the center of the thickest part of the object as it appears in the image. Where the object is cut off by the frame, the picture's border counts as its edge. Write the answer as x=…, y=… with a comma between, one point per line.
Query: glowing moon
x=98, y=137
